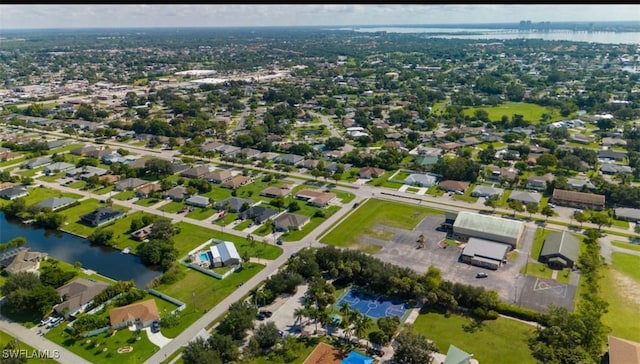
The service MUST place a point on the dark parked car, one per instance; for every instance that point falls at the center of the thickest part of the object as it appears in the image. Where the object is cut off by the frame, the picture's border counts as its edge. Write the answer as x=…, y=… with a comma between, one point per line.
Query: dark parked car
x=481, y=275
x=260, y=317
x=155, y=326
x=265, y=313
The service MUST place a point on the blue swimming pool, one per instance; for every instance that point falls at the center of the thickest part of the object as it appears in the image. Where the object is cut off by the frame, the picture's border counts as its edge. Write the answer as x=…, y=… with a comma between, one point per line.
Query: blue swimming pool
x=204, y=257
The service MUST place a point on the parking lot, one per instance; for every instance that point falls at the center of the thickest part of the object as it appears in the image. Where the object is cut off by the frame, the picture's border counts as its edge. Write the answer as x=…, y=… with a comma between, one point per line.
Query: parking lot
x=511, y=285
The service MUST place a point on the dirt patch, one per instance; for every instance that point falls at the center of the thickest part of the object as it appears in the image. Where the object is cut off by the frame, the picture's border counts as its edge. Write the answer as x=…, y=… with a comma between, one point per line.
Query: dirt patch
x=628, y=285
x=379, y=234
x=325, y=354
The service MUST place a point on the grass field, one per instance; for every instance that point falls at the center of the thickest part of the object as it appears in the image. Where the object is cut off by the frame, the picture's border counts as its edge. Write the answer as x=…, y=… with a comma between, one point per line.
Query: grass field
x=371, y=213
x=73, y=224
x=496, y=341
x=624, y=245
x=200, y=213
x=620, y=287
x=93, y=348
x=6, y=338
x=201, y=292
x=531, y=112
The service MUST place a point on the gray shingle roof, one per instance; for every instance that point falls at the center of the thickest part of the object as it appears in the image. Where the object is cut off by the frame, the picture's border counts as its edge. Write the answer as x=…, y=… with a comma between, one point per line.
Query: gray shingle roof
x=562, y=243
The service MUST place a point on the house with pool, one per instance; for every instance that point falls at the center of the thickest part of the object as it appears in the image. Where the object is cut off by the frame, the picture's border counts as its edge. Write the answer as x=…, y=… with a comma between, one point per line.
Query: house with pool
x=223, y=254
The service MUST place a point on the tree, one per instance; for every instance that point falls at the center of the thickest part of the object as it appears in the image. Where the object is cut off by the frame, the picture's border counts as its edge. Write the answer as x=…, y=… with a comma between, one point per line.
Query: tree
x=224, y=346
x=413, y=348
x=388, y=325
x=532, y=208
x=581, y=217
x=492, y=201
x=198, y=351
x=600, y=218
x=547, y=211
x=159, y=167
x=162, y=229
x=363, y=323
x=293, y=206
x=13, y=345
x=101, y=237
x=547, y=160
x=516, y=206
x=238, y=320
x=267, y=335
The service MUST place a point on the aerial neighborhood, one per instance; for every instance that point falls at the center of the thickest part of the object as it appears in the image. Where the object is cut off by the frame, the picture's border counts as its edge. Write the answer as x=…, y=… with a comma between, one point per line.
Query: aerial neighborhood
x=316, y=195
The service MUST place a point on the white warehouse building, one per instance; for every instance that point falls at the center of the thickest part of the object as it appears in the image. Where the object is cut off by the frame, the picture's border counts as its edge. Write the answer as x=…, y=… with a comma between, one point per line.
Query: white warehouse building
x=487, y=227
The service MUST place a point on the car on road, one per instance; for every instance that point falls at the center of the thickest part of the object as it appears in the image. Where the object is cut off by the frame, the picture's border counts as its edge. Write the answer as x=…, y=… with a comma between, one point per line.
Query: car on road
x=552, y=205
x=355, y=205
x=481, y=275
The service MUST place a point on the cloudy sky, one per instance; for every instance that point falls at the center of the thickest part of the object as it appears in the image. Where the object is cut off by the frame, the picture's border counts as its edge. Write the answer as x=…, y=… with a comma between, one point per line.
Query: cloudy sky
x=115, y=16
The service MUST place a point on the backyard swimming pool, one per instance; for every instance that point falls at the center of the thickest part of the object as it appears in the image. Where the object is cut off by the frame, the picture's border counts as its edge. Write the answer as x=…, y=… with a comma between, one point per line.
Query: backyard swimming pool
x=205, y=257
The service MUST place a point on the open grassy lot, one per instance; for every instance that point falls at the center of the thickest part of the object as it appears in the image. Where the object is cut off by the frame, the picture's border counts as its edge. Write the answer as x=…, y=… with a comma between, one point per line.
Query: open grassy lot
x=201, y=213
x=122, y=231
x=6, y=338
x=191, y=236
x=622, y=292
x=78, y=185
x=52, y=177
x=172, y=207
x=627, y=264
x=31, y=172
x=344, y=196
x=243, y=225
x=315, y=221
x=496, y=341
x=93, y=348
x=624, y=245
x=124, y=195
x=13, y=161
x=531, y=112
x=104, y=190
x=374, y=212
x=38, y=194
x=201, y=292
x=149, y=201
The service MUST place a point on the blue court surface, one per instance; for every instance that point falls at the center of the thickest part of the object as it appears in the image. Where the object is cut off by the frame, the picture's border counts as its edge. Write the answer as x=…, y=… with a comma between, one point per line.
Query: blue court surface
x=372, y=306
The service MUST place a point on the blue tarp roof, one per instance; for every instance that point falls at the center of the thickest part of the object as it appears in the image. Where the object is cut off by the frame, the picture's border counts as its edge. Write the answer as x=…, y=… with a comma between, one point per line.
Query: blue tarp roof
x=357, y=358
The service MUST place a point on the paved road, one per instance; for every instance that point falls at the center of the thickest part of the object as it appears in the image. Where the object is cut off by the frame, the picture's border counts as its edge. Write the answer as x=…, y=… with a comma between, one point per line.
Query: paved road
x=362, y=193
x=38, y=342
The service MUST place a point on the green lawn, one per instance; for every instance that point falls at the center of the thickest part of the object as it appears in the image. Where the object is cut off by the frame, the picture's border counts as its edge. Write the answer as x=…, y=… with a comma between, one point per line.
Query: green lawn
x=86, y=347
x=227, y=219
x=344, y=196
x=13, y=161
x=624, y=245
x=78, y=185
x=124, y=195
x=537, y=270
x=6, y=338
x=243, y=225
x=149, y=201
x=122, y=231
x=373, y=212
x=622, y=293
x=104, y=190
x=202, y=292
x=191, y=236
x=531, y=112
x=627, y=264
x=38, y=194
x=200, y=213
x=52, y=177
x=31, y=172
x=620, y=223
x=172, y=207
x=495, y=341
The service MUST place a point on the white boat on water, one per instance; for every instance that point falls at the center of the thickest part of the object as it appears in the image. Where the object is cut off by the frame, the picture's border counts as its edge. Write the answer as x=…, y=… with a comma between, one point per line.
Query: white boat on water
x=126, y=250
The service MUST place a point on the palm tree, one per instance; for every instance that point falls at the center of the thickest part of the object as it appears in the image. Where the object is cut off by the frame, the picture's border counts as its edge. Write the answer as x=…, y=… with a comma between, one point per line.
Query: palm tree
x=299, y=314
x=347, y=314
x=323, y=317
x=361, y=325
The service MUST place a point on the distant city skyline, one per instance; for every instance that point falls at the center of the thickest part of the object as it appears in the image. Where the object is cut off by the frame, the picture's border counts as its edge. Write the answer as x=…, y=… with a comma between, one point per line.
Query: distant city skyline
x=192, y=15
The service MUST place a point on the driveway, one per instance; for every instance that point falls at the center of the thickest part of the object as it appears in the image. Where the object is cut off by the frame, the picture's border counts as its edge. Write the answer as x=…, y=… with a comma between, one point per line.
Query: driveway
x=157, y=338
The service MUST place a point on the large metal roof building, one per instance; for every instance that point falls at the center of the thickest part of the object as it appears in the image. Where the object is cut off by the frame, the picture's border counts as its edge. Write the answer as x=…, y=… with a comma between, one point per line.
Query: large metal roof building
x=488, y=227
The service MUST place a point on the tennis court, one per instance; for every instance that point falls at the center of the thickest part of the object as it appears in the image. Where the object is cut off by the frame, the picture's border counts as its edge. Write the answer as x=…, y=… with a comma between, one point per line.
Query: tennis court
x=372, y=306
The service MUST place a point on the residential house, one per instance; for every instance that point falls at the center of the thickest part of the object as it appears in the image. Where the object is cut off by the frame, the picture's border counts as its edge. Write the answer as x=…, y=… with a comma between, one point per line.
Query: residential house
x=139, y=163
x=525, y=197
x=219, y=176
x=575, y=199
x=309, y=163
x=14, y=192
x=224, y=254
x=420, y=179
x=469, y=141
x=560, y=250
x=502, y=174
x=258, y=213
x=289, y=221
x=454, y=186
x=146, y=190
x=613, y=168
x=290, y=159
x=248, y=153
x=539, y=182
x=85, y=172
x=177, y=193
x=9, y=155
x=101, y=216
x=76, y=295
x=622, y=351
x=26, y=261
x=237, y=181
x=610, y=142
x=449, y=147
x=611, y=155
x=579, y=183
x=140, y=314
x=130, y=184
x=109, y=179
x=196, y=172
x=226, y=149
x=58, y=167
x=234, y=204
x=37, y=162
x=199, y=201
x=486, y=191
x=316, y=198
x=55, y=203
x=273, y=192
x=370, y=172
x=269, y=156
x=142, y=233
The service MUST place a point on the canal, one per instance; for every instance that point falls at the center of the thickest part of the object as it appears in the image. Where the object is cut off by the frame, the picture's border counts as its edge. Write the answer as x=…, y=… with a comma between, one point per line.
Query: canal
x=106, y=261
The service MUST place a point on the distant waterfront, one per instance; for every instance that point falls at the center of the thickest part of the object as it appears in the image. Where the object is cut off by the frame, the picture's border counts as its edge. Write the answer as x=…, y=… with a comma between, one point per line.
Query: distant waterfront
x=69, y=248
x=505, y=34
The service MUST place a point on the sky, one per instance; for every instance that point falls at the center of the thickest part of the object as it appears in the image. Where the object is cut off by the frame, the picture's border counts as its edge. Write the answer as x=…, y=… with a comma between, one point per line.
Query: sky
x=228, y=15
